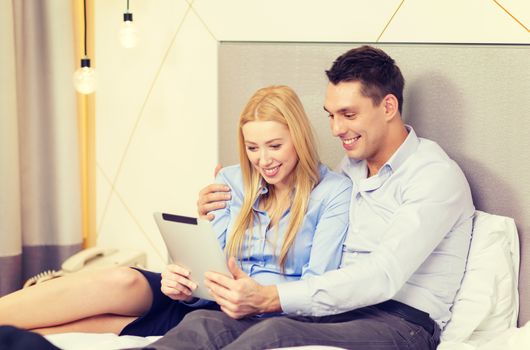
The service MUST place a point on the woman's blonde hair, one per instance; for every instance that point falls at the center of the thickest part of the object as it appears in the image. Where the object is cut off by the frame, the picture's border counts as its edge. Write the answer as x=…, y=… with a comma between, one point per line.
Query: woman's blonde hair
x=280, y=104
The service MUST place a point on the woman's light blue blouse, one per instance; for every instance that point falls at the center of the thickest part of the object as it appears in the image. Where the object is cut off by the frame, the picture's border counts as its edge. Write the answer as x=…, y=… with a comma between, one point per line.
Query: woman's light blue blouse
x=318, y=244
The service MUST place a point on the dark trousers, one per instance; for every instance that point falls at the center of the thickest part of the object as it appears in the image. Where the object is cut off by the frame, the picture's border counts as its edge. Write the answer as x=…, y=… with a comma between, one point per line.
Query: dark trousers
x=12, y=338
x=366, y=328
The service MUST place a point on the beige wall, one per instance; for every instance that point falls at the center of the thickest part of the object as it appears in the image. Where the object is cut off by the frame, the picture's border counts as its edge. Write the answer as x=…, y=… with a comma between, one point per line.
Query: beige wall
x=156, y=106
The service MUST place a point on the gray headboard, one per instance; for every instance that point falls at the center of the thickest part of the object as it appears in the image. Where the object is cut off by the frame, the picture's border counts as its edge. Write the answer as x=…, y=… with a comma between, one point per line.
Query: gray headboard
x=474, y=100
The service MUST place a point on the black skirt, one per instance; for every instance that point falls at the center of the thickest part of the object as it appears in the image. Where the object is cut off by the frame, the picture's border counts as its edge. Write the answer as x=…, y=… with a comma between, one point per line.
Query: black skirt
x=164, y=314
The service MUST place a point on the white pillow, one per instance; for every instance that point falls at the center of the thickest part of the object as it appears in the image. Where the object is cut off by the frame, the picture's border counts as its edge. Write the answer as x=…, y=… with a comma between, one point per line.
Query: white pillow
x=488, y=301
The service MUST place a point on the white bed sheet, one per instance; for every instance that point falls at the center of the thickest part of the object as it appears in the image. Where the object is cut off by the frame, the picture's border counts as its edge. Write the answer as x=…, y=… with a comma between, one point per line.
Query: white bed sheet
x=512, y=339
x=98, y=341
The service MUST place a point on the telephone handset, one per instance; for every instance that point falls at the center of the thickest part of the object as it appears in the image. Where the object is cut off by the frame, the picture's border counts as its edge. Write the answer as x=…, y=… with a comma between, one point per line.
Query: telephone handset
x=84, y=257
x=91, y=259
x=100, y=257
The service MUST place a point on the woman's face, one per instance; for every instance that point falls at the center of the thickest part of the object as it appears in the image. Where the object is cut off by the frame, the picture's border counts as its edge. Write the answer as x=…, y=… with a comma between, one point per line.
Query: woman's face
x=271, y=151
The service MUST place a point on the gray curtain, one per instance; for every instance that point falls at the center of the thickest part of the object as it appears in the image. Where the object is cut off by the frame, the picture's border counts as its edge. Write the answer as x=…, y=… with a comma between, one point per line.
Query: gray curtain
x=40, y=186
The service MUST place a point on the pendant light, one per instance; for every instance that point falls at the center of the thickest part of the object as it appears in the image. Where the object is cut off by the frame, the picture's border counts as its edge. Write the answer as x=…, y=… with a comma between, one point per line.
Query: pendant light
x=85, y=76
x=128, y=32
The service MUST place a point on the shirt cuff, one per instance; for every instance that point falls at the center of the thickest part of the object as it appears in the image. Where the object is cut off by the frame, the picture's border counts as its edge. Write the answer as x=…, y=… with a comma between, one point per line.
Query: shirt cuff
x=294, y=298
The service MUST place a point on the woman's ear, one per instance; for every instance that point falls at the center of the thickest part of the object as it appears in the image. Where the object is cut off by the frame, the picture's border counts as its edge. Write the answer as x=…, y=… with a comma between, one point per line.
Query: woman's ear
x=391, y=106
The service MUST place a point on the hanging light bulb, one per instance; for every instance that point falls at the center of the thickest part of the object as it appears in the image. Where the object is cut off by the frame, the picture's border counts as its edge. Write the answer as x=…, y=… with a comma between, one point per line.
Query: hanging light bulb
x=128, y=32
x=85, y=77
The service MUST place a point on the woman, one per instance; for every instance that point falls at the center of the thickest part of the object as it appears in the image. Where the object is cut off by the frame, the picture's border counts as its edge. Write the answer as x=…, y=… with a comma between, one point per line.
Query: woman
x=286, y=220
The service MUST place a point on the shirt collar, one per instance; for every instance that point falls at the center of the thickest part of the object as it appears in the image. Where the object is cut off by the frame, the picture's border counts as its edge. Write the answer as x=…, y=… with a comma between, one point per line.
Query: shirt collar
x=357, y=169
x=407, y=148
x=263, y=190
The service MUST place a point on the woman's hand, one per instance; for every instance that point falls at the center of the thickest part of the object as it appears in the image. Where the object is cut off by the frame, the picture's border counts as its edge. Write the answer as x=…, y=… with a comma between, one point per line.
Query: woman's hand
x=176, y=283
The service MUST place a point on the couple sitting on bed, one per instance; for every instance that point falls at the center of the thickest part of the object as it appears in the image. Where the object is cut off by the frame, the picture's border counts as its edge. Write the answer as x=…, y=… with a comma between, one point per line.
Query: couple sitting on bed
x=301, y=275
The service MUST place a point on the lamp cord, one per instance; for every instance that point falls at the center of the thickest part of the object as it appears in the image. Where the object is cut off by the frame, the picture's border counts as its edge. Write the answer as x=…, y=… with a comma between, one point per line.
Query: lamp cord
x=84, y=13
x=127, y=5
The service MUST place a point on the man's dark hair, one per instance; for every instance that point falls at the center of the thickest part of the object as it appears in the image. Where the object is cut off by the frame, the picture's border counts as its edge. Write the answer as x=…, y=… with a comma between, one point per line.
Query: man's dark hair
x=374, y=69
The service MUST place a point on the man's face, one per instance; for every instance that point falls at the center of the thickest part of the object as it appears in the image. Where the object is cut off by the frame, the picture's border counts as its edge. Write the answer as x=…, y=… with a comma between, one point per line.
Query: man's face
x=361, y=126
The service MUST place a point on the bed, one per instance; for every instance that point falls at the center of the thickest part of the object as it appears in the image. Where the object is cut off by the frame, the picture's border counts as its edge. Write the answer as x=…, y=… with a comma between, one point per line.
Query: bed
x=485, y=312
x=473, y=100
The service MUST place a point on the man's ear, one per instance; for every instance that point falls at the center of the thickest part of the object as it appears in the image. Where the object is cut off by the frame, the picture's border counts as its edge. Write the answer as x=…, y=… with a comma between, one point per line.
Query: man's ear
x=391, y=106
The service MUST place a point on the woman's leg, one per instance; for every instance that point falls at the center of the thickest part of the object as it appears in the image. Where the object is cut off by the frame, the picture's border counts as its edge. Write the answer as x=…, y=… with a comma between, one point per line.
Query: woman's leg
x=107, y=323
x=120, y=291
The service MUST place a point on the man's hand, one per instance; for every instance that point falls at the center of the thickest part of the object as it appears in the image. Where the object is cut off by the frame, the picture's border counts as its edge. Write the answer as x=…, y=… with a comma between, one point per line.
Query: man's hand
x=212, y=197
x=241, y=296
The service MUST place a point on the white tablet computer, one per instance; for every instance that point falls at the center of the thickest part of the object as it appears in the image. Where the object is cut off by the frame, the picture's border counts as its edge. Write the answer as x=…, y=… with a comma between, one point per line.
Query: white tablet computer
x=192, y=244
